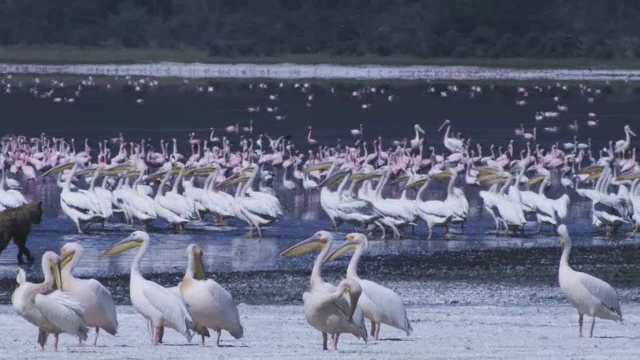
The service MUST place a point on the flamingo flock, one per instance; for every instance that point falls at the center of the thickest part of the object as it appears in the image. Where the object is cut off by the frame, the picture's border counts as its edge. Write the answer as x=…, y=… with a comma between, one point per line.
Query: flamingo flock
x=375, y=187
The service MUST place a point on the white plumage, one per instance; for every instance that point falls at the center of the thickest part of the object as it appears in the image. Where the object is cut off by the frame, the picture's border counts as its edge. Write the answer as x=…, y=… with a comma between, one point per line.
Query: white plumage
x=325, y=306
x=379, y=304
x=100, y=310
x=588, y=294
x=161, y=307
x=52, y=311
x=209, y=304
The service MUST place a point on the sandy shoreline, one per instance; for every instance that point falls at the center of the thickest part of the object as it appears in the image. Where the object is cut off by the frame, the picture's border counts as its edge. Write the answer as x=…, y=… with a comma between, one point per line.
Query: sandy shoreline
x=440, y=332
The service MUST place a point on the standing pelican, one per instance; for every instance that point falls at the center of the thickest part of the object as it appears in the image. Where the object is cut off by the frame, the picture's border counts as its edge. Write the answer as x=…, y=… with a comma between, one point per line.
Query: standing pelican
x=154, y=302
x=325, y=307
x=209, y=304
x=622, y=145
x=588, y=294
x=378, y=303
x=99, y=308
x=52, y=311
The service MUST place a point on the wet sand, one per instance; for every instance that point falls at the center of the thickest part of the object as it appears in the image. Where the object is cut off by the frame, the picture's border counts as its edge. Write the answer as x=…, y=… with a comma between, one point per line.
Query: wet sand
x=281, y=332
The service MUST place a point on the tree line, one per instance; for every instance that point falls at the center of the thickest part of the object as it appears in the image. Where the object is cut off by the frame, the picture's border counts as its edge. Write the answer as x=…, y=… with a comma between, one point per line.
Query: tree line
x=425, y=28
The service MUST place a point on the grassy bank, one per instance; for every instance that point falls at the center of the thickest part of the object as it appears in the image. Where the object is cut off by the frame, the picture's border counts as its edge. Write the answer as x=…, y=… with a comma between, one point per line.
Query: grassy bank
x=67, y=55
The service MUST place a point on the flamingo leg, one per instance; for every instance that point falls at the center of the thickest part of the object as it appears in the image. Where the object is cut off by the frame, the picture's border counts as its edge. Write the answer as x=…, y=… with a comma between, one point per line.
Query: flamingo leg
x=593, y=324
x=373, y=328
x=202, y=342
x=55, y=344
x=218, y=340
x=377, y=332
x=335, y=341
x=324, y=341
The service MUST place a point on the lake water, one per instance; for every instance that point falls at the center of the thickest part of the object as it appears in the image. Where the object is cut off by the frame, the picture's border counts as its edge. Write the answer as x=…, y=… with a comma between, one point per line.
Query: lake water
x=504, y=269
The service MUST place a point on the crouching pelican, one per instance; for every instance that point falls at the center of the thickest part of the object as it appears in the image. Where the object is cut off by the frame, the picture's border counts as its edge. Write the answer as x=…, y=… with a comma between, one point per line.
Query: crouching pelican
x=378, y=303
x=210, y=305
x=99, y=308
x=154, y=302
x=588, y=294
x=52, y=311
x=325, y=306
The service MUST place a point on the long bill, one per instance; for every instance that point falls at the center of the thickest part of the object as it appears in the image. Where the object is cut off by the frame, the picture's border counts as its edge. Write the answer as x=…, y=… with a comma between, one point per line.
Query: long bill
x=347, y=246
x=305, y=246
x=59, y=168
x=66, y=259
x=124, y=245
x=57, y=279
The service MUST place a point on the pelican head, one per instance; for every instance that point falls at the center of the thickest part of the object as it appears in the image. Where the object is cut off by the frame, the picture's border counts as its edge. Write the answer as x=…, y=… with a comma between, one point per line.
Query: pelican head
x=418, y=128
x=51, y=265
x=353, y=241
x=318, y=241
x=628, y=130
x=68, y=252
x=195, y=254
x=445, y=123
x=136, y=239
x=564, y=235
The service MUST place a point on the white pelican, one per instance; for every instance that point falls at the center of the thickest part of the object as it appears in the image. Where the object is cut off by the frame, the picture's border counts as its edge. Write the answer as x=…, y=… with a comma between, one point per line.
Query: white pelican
x=378, y=303
x=622, y=145
x=588, y=294
x=415, y=142
x=52, y=311
x=209, y=304
x=453, y=144
x=155, y=303
x=325, y=306
x=99, y=308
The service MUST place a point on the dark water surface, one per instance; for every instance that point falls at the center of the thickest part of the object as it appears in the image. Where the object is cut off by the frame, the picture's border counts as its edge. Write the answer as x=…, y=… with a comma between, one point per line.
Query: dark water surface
x=499, y=268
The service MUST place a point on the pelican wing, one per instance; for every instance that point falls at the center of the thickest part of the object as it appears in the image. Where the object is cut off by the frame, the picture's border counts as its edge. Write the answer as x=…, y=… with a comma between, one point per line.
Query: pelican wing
x=435, y=208
x=357, y=206
x=171, y=306
x=389, y=303
x=108, y=306
x=63, y=311
x=79, y=201
x=224, y=299
x=601, y=290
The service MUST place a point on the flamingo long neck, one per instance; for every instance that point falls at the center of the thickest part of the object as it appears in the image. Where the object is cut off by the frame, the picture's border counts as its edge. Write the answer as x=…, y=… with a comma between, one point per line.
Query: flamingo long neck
x=135, y=267
x=316, y=278
x=352, y=268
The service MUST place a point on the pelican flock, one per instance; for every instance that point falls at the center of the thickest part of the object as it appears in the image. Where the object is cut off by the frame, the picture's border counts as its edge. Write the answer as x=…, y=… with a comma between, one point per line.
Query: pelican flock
x=377, y=190
x=376, y=186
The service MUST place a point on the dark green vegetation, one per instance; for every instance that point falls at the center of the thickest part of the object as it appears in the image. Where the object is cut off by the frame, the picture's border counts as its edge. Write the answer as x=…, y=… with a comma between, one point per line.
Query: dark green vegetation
x=403, y=30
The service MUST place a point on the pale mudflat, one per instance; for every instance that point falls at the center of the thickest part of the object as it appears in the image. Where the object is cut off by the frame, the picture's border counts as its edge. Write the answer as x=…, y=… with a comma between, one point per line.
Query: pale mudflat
x=281, y=332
